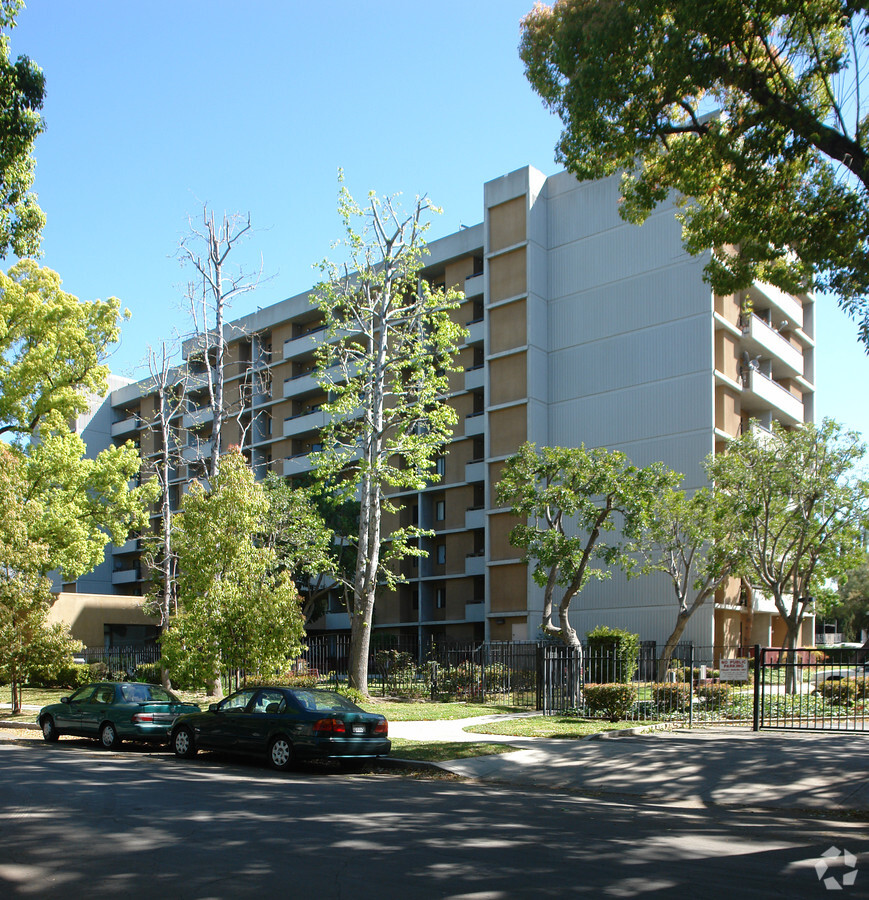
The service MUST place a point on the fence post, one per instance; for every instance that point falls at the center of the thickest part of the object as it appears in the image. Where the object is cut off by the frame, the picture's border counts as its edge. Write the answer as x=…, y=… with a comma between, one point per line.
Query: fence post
x=691, y=688
x=757, y=671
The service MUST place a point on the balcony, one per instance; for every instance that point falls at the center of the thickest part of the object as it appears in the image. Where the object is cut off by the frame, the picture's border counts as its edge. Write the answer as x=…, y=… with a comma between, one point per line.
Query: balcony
x=760, y=339
x=126, y=426
x=475, y=424
x=474, y=285
x=476, y=332
x=475, y=565
x=761, y=393
x=474, y=378
x=127, y=576
x=196, y=417
x=475, y=612
x=301, y=424
x=475, y=518
x=296, y=465
x=301, y=384
x=475, y=471
x=130, y=546
x=784, y=306
x=198, y=451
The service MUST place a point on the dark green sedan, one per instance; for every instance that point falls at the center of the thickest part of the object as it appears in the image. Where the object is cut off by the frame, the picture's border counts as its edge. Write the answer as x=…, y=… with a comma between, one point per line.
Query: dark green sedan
x=284, y=724
x=113, y=712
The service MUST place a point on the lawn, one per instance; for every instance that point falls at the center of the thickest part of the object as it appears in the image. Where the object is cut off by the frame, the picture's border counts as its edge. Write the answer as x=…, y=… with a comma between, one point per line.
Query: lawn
x=548, y=727
x=440, y=751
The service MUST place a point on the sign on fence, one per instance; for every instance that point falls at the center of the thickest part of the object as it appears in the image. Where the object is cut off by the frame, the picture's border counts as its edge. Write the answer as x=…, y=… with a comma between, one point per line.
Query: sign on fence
x=733, y=669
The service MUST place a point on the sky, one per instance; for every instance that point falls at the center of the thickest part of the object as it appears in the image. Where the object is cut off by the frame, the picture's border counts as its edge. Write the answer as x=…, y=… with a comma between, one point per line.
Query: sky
x=154, y=109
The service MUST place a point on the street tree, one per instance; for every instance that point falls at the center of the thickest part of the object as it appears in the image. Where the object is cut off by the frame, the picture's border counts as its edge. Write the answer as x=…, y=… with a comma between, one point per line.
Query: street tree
x=388, y=347
x=22, y=91
x=208, y=249
x=802, y=508
x=750, y=111
x=26, y=639
x=578, y=511
x=238, y=610
x=694, y=541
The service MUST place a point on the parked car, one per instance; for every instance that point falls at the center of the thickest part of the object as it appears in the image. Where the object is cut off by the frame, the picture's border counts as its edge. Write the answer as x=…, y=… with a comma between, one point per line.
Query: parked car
x=113, y=712
x=836, y=673
x=284, y=724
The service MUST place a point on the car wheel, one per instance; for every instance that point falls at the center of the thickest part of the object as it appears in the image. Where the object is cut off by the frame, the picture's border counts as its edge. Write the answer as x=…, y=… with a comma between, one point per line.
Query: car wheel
x=280, y=753
x=183, y=743
x=109, y=737
x=49, y=731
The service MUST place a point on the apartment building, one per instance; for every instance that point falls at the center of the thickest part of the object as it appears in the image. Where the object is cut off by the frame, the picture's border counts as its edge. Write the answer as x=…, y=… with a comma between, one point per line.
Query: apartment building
x=581, y=329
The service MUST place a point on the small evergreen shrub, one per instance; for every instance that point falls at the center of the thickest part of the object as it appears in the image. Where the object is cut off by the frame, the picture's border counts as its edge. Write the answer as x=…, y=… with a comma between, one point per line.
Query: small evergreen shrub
x=613, y=700
x=612, y=655
x=672, y=697
x=844, y=691
x=715, y=695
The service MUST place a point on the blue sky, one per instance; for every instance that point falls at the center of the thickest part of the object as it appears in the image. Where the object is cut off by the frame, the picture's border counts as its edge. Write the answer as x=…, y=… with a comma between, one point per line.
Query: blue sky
x=154, y=108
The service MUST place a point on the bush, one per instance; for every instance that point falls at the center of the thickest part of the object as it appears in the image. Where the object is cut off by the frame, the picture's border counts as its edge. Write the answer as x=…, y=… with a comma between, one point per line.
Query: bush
x=672, y=697
x=614, y=700
x=65, y=675
x=351, y=694
x=150, y=673
x=715, y=695
x=612, y=655
x=844, y=691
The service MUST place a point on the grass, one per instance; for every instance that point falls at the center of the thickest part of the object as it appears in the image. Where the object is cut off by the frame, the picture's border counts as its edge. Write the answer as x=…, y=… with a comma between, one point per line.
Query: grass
x=429, y=711
x=440, y=751
x=548, y=727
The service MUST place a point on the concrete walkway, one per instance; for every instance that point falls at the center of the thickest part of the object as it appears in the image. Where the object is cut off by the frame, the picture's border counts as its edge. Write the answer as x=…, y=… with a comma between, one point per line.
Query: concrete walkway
x=726, y=766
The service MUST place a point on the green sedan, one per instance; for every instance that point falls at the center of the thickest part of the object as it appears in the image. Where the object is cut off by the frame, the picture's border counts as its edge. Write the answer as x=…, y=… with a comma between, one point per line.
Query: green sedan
x=113, y=712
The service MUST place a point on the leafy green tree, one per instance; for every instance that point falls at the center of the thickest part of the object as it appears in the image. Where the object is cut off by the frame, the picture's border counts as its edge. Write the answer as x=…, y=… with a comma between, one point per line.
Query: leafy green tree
x=578, y=510
x=693, y=540
x=239, y=612
x=26, y=638
x=389, y=345
x=750, y=110
x=22, y=91
x=852, y=601
x=801, y=508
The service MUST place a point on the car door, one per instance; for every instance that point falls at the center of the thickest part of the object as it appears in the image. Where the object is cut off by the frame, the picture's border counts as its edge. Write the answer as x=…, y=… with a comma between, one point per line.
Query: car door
x=227, y=722
x=252, y=729
x=67, y=719
x=95, y=709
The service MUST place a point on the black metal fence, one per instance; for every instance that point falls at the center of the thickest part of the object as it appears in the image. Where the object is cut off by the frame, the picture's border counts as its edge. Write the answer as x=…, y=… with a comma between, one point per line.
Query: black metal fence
x=121, y=661
x=823, y=689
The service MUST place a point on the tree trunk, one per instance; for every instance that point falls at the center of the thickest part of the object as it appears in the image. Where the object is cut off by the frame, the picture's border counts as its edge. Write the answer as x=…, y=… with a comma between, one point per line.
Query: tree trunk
x=670, y=646
x=792, y=640
x=360, y=643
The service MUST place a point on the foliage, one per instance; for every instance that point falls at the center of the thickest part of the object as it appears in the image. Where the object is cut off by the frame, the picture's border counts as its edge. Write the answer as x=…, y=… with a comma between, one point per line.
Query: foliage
x=748, y=110
x=852, y=606
x=800, y=507
x=28, y=642
x=671, y=697
x=22, y=91
x=238, y=610
x=566, y=500
x=614, y=700
x=714, y=695
x=844, y=691
x=614, y=652
x=390, y=343
x=59, y=673
x=351, y=694
x=150, y=673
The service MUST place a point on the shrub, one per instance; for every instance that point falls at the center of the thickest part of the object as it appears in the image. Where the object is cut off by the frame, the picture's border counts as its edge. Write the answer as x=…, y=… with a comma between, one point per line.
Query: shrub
x=672, y=697
x=715, y=694
x=614, y=700
x=65, y=675
x=612, y=655
x=844, y=691
x=351, y=694
x=150, y=673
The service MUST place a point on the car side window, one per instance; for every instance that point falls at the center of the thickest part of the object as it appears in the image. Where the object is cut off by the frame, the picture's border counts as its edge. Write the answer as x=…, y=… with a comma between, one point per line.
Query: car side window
x=269, y=702
x=82, y=695
x=104, y=694
x=236, y=702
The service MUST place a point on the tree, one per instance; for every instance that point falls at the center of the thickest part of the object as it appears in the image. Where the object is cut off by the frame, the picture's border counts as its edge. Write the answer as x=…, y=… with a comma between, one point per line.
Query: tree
x=22, y=91
x=577, y=508
x=26, y=639
x=51, y=362
x=849, y=603
x=800, y=508
x=691, y=539
x=749, y=110
x=389, y=345
x=217, y=285
x=238, y=611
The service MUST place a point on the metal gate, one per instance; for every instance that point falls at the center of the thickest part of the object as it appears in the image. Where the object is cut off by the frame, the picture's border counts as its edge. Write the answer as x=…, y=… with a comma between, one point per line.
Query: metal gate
x=811, y=689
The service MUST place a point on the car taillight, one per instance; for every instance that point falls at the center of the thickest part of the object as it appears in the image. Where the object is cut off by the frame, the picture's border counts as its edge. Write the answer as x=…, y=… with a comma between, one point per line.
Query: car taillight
x=329, y=726
x=381, y=727
x=138, y=718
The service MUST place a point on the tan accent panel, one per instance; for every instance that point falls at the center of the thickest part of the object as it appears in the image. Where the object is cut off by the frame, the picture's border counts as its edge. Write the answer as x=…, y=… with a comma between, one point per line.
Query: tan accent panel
x=456, y=272
x=496, y=469
x=457, y=501
x=508, y=430
x=508, y=327
x=727, y=354
x=86, y=614
x=460, y=453
x=459, y=546
x=507, y=223
x=500, y=526
x=507, y=592
x=507, y=275
x=727, y=410
x=728, y=629
x=792, y=387
x=728, y=308
x=508, y=379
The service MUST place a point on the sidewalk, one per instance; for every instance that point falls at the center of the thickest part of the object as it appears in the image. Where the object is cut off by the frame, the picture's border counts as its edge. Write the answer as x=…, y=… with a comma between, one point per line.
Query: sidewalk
x=724, y=766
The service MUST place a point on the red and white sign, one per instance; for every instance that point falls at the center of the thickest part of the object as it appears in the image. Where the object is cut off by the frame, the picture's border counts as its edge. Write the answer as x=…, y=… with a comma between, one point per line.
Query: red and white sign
x=733, y=669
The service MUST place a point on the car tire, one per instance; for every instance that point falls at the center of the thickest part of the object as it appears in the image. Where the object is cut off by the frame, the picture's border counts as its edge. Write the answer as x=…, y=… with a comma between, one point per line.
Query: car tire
x=49, y=729
x=183, y=743
x=280, y=753
x=109, y=736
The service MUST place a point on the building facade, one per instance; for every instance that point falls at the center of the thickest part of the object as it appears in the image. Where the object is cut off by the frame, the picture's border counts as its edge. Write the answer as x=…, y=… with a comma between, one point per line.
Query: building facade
x=582, y=329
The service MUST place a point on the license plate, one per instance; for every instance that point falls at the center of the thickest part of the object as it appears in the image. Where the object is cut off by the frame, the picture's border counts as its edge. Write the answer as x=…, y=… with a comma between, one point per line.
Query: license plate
x=359, y=729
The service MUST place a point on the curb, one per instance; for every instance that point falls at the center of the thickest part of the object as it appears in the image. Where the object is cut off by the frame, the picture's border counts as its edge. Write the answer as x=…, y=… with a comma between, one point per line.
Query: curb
x=31, y=726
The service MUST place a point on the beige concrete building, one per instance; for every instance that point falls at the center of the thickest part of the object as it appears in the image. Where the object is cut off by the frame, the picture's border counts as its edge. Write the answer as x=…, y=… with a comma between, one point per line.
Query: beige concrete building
x=581, y=329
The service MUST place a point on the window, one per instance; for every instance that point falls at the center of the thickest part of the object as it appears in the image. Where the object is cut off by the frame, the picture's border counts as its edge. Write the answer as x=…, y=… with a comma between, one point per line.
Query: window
x=440, y=597
x=440, y=510
x=441, y=466
x=442, y=554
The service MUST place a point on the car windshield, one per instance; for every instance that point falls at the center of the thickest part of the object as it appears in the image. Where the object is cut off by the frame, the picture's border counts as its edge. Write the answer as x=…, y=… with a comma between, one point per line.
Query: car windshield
x=321, y=701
